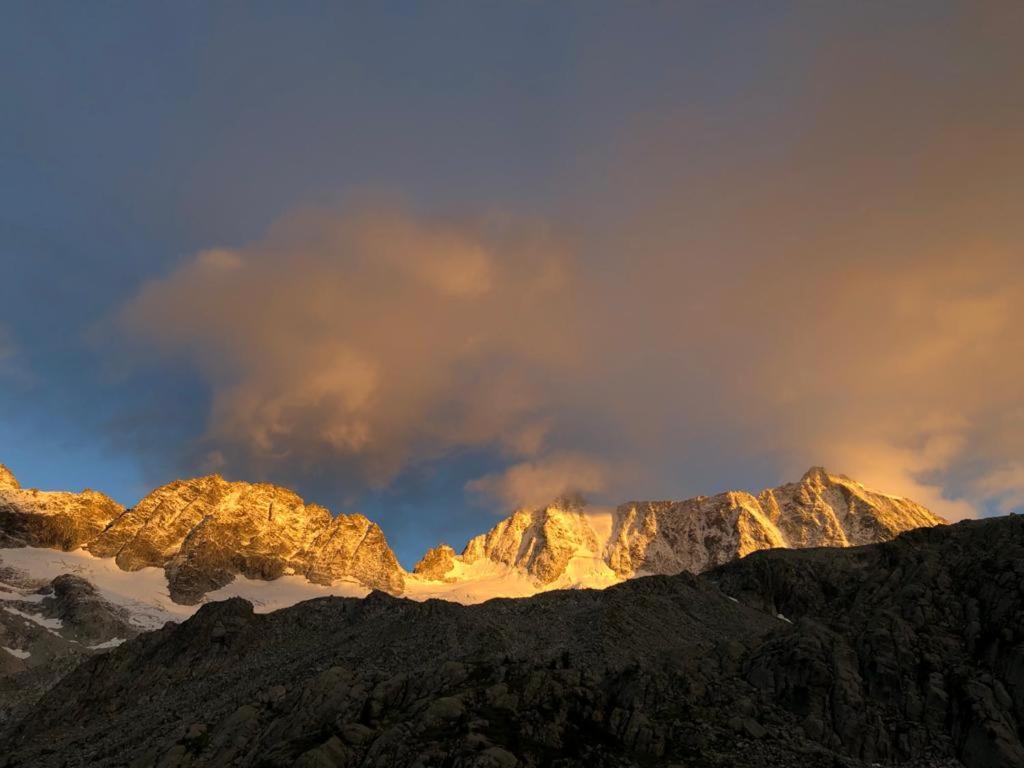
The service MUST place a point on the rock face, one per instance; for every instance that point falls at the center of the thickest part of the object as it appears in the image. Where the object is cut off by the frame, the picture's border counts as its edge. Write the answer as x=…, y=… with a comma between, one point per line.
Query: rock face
x=909, y=652
x=539, y=542
x=55, y=519
x=694, y=535
x=825, y=510
x=437, y=564
x=7, y=479
x=666, y=537
x=821, y=510
x=46, y=629
x=207, y=530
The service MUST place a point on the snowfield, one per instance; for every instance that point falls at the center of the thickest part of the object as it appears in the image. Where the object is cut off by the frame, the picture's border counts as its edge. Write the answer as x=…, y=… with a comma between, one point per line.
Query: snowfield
x=145, y=595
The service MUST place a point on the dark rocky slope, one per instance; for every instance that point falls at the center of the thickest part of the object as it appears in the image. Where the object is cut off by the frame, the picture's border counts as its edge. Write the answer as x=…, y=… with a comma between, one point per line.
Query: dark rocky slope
x=908, y=652
x=46, y=630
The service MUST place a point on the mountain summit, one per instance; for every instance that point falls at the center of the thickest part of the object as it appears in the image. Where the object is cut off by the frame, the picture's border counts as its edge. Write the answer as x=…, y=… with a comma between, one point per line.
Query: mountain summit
x=206, y=531
x=821, y=510
x=549, y=545
x=55, y=519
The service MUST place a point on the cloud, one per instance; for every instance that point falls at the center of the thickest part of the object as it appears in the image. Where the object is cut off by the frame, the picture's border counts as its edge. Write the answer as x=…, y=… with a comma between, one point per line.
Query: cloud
x=367, y=342
x=834, y=279
x=1004, y=486
x=535, y=483
x=369, y=339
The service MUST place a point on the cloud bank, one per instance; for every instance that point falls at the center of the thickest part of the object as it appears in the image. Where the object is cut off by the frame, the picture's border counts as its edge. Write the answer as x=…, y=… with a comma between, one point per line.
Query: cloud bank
x=834, y=278
x=374, y=340
x=368, y=339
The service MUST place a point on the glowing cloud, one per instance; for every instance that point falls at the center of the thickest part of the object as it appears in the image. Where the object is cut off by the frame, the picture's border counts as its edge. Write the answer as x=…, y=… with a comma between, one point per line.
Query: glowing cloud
x=535, y=483
x=836, y=279
x=371, y=337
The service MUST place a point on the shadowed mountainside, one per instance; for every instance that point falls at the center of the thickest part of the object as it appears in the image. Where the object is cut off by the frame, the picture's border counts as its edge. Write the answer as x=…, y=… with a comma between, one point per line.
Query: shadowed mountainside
x=908, y=652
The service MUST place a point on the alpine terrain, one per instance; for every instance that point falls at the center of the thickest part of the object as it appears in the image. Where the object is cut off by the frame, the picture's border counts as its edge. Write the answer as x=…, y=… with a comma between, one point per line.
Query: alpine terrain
x=80, y=574
x=908, y=652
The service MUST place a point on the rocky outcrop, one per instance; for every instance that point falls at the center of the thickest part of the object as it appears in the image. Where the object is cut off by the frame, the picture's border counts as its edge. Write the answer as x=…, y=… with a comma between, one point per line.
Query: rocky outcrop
x=907, y=652
x=821, y=510
x=206, y=531
x=539, y=542
x=8, y=482
x=668, y=537
x=827, y=510
x=46, y=629
x=437, y=564
x=899, y=648
x=55, y=519
x=354, y=548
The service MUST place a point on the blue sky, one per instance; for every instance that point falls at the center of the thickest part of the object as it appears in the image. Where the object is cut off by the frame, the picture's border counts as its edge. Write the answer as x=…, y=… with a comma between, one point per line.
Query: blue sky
x=135, y=137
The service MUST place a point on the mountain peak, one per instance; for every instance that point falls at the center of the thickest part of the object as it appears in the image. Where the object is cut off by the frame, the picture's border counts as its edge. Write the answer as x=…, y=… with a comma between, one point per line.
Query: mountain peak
x=816, y=474
x=7, y=479
x=540, y=542
x=207, y=530
x=437, y=563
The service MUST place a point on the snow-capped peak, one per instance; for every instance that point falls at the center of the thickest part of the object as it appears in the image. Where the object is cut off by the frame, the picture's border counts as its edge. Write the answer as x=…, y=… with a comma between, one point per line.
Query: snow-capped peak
x=205, y=532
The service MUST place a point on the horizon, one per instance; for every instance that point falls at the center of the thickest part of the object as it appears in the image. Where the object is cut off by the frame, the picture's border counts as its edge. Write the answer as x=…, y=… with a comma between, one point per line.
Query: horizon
x=430, y=264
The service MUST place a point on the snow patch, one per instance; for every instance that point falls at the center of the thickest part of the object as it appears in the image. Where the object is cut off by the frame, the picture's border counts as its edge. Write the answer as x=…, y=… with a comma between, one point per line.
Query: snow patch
x=112, y=643
x=283, y=591
x=31, y=597
x=144, y=594
x=485, y=580
x=602, y=522
x=42, y=621
x=474, y=583
x=16, y=653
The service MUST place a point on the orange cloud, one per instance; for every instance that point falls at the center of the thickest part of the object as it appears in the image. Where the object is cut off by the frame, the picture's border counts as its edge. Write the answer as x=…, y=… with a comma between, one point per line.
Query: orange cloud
x=372, y=337
x=838, y=282
x=535, y=483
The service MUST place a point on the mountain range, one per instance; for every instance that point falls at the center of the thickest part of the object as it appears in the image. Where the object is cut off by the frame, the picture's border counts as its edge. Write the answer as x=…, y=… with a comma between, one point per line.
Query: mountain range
x=205, y=533
x=80, y=574
x=908, y=652
x=214, y=623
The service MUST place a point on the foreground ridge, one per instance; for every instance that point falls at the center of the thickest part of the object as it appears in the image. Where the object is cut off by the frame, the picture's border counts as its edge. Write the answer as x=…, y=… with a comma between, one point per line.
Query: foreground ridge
x=904, y=652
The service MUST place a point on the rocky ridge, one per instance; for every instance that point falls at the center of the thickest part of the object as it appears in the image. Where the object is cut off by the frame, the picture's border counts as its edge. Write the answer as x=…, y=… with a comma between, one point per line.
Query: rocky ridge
x=53, y=519
x=909, y=652
x=666, y=537
x=539, y=542
x=7, y=479
x=206, y=531
x=48, y=628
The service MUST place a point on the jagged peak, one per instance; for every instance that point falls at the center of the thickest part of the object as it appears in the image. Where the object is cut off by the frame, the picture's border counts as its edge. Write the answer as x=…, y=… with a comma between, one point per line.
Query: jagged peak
x=821, y=476
x=818, y=474
x=436, y=563
x=7, y=479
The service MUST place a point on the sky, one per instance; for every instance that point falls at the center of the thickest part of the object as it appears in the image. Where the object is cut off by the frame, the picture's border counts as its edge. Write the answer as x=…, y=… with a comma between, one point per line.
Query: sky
x=431, y=262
